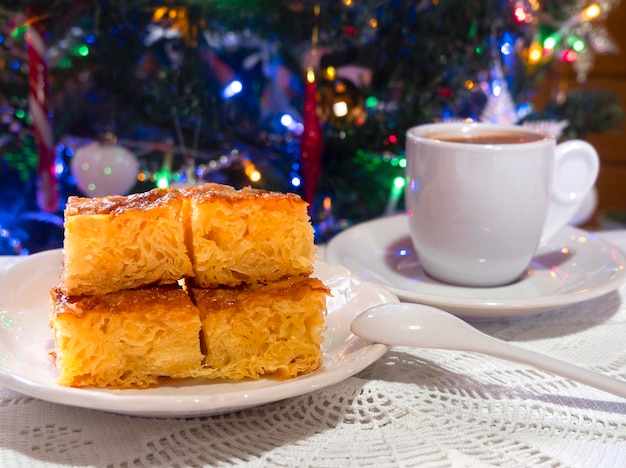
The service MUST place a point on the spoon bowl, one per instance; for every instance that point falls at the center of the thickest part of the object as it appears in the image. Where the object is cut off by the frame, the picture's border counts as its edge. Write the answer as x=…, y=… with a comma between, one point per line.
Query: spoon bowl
x=421, y=326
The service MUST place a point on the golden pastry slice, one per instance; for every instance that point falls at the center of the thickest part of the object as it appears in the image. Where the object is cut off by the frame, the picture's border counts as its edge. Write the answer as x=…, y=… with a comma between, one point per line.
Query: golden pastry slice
x=247, y=236
x=126, y=339
x=252, y=331
x=123, y=242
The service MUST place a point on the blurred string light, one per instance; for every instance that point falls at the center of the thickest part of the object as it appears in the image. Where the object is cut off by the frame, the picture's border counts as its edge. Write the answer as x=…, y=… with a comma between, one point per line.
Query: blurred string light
x=13, y=245
x=591, y=12
x=340, y=108
x=19, y=30
x=371, y=102
x=524, y=12
x=81, y=49
x=23, y=160
x=232, y=89
x=398, y=183
x=550, y=42
x=578, y=45
x=578, y=38
x=524, y=109
x=296, y=179
x=387, y=157
x=496, y=87
x=397, y=189
x=520, y=15
x=162, y=179
x=291, y=124
x=569, y=42
x=535, y=53
x=250, y=170
x=569, y=56
x=563, y=44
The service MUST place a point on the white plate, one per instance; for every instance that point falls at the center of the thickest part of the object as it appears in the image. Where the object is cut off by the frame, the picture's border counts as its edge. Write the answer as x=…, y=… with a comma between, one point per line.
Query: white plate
x=574, y=267
x=26, y=341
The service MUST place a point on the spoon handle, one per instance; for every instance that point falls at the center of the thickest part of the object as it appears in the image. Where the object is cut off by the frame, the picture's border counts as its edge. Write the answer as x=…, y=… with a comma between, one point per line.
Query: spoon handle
x=502, y=349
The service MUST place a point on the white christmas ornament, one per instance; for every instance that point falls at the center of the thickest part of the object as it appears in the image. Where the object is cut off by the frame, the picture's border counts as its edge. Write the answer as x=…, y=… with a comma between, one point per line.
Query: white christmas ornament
x=104, y=169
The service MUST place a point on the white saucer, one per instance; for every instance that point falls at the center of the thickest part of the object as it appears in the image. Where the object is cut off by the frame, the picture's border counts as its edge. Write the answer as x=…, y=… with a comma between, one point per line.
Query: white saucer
x=26, y=341
x=574, y=267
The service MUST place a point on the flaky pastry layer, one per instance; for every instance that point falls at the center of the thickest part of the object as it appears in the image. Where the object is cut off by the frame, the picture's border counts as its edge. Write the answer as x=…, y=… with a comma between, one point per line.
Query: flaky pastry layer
x=117, y=243
x=127, y=339
x=247, y=236
x=273, y=329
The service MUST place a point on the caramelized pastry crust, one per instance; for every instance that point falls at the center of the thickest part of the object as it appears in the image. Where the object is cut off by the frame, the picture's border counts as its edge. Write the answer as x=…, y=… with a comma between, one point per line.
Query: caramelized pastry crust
x=116, y=243
x=117, y=204
x=247, y=236
x=273, y=329
x=126, y=339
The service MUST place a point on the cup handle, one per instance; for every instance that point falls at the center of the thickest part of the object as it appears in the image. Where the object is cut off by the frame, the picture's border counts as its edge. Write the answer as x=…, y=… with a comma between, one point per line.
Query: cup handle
x=575, y=172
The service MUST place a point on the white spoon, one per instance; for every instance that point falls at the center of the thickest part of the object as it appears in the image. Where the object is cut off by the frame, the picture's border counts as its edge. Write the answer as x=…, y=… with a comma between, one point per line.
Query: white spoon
x=423, y=326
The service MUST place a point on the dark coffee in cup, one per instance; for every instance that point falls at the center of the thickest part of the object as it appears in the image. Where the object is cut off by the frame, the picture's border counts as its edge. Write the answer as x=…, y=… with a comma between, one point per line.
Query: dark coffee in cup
x=492, y=138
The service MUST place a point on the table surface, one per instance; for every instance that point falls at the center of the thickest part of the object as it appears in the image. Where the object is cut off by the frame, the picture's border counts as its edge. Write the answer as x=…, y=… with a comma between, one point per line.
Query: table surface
x=413, y=407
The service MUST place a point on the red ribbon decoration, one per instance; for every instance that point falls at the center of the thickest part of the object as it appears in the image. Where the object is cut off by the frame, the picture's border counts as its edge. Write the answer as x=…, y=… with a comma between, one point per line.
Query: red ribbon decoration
x=311, y=143
x=39, y=100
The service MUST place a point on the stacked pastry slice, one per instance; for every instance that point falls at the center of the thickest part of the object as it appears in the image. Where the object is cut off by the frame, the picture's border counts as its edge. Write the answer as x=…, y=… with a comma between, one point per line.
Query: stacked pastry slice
x=207, y=282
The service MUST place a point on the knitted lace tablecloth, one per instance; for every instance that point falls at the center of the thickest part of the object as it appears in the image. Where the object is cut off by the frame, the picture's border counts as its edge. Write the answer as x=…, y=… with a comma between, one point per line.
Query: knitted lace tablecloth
x=413, y=407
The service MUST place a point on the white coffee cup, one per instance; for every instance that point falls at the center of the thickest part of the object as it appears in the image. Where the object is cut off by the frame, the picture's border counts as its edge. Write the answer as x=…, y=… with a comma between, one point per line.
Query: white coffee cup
x=481, y=206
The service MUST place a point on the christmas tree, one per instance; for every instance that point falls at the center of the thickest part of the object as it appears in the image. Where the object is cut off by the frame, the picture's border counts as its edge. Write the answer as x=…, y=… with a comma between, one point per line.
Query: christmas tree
x=292, y=95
